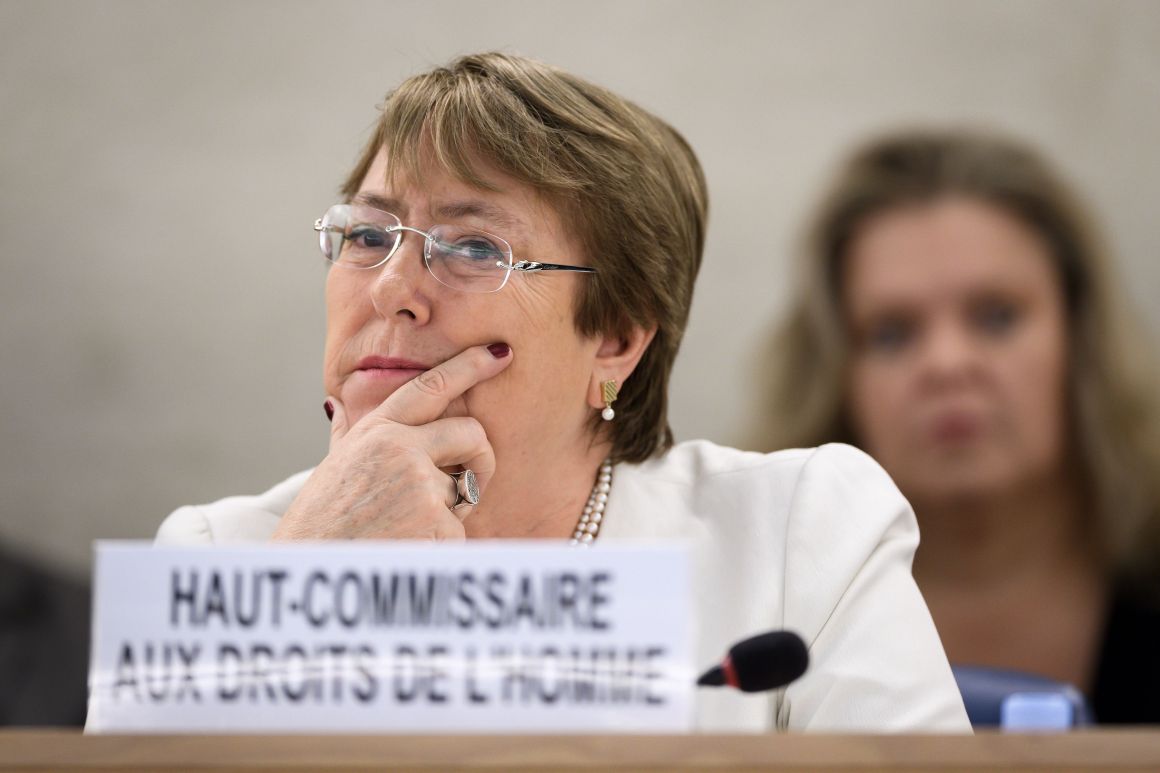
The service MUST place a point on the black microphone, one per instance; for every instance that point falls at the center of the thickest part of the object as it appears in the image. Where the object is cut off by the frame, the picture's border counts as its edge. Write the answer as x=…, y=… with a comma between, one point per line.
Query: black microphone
x=763, y=662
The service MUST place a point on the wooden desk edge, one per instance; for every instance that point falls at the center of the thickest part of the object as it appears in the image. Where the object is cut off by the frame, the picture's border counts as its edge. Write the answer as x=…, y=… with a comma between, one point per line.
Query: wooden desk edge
x=69, y=750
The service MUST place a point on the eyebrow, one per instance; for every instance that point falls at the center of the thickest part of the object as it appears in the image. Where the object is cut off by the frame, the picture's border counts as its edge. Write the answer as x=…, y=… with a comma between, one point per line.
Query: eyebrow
x=480, y=209
x=452, y=210
x=377, y=201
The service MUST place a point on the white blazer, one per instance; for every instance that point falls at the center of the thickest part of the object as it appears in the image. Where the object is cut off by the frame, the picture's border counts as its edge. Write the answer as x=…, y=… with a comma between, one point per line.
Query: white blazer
x=818, y=541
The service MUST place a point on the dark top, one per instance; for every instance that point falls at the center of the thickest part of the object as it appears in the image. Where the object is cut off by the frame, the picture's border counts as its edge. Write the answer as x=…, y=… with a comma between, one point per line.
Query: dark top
x=1127, y=684
x=44, y=646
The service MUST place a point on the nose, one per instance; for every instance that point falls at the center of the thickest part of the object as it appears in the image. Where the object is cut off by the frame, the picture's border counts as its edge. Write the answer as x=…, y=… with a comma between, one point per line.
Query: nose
x=399, y=290
x=950, y=354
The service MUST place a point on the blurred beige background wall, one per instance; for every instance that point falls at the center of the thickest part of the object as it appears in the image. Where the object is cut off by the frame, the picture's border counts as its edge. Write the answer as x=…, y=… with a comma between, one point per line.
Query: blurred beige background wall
x=161, y=163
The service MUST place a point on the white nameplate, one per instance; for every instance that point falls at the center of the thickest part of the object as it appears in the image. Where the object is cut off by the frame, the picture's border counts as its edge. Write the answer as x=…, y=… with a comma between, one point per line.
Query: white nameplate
x=391, y=638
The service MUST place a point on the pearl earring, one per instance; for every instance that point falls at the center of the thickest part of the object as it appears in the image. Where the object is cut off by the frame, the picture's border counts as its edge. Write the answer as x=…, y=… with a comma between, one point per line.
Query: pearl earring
x=609, y=391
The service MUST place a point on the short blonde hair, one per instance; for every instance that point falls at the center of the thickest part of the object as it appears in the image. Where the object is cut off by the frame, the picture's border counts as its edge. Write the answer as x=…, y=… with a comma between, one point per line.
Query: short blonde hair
x=1113, y=411
x=625, y=183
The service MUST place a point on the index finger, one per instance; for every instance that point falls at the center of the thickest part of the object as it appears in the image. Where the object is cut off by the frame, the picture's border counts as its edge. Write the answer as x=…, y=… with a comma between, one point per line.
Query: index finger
x=426, y=397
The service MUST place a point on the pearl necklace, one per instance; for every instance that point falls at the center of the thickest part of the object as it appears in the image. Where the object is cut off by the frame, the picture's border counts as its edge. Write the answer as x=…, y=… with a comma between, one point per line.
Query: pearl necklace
x=589, y=524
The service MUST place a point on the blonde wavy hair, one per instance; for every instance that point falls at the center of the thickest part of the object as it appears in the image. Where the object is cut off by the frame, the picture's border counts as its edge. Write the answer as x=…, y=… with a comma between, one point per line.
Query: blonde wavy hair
x=1112, y=402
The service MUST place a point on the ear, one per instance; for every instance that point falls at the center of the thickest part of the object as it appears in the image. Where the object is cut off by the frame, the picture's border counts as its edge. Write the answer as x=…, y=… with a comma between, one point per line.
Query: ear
x=616, y=359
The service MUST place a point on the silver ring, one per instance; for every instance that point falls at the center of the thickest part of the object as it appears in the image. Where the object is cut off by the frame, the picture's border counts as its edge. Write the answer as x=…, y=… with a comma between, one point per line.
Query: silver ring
x=466, y=488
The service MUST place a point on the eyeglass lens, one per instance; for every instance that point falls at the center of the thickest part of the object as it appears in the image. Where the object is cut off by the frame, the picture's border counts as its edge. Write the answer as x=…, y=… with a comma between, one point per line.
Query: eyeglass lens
x=459, y=257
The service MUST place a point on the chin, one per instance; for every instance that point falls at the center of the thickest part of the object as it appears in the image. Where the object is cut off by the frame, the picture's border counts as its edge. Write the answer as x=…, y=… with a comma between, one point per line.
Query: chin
x=360, y=400
x=961, y=481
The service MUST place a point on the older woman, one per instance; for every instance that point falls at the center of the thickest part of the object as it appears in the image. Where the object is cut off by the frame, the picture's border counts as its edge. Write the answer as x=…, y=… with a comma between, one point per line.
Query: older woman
x=513, y=263
x=958, y=322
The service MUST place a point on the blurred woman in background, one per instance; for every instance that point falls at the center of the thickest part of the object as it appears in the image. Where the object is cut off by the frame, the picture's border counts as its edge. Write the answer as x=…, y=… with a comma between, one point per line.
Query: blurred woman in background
x=956, y=319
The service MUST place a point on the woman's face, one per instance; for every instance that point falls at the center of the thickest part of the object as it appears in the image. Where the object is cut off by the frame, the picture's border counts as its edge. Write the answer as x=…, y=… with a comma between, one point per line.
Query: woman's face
x=400, y=312
x=957, y=380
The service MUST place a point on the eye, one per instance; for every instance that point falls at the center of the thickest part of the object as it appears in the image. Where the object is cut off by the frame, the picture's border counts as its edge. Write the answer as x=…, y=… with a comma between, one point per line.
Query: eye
x=369, y=237
x=995, y=317
x=888, y=335
x=471, y=248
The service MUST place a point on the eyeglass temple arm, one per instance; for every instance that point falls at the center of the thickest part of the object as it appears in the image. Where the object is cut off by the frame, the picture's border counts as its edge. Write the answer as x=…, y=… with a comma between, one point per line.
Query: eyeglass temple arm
x=531, y=265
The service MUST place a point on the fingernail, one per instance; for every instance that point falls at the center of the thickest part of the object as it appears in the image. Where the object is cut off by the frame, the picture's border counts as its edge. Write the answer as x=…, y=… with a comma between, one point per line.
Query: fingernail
x=499, y=351
x=329, y=408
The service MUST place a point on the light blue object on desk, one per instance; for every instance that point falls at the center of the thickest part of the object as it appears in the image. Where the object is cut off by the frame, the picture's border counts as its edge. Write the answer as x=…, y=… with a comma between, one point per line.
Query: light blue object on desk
x=1018, y=701
x=1025, y=712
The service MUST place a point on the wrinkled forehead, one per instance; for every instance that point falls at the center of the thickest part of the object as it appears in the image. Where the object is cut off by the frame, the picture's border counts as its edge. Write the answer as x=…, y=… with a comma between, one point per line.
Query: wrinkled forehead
x=424, y=186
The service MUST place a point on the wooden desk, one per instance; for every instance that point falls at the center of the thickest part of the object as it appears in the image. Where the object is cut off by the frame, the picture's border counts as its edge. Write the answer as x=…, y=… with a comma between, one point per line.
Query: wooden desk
x=70, y=752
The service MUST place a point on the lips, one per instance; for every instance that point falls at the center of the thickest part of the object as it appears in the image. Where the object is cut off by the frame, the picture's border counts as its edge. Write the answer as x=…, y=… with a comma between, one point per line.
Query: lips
x=390, y=363
x=956, y=428
x=385, y=373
